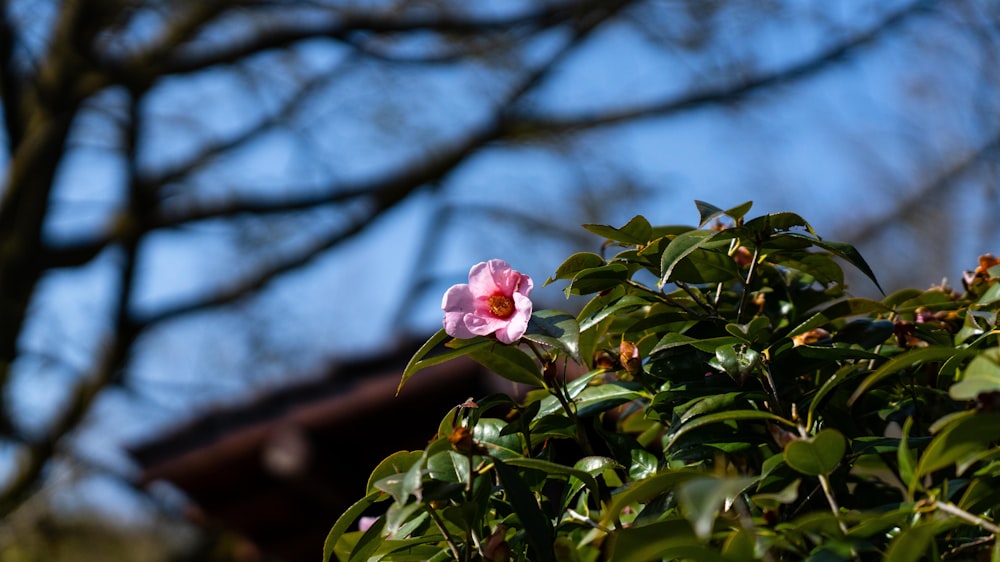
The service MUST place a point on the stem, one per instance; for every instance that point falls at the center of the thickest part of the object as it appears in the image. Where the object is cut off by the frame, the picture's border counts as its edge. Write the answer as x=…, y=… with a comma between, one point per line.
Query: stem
x=581, y=432
x=697, y=297
x=661, y=296
x=825, y=483
x=444, y=532
x=746, y=286
x=966, y=516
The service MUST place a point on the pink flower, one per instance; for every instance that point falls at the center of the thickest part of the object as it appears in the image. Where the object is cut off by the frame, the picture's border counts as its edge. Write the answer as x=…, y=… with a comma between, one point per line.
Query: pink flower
x=494, y=302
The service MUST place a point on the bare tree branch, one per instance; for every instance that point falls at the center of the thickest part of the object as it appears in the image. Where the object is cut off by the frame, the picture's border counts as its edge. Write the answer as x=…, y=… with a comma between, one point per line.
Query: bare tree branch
x=10, y=83
x=110, y=361
x=730, y=93
x=385, y=193
x=178, y=62
x=945, y=181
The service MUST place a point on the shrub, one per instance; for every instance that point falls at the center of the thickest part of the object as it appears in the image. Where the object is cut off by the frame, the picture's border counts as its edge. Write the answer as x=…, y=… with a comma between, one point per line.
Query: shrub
x=720, y=397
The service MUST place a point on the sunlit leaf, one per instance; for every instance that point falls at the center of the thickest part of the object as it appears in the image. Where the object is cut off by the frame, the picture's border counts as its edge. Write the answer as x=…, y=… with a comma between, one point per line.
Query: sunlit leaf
x=722, y=417
x=817, y=455
x=982, y=375
x=346, y=521
x=903, y=361
x=635, y=232
x=575, y=264
x=672, y=539
x=556, y=329
x=703, y=497
x=966, y=435
x=509, y=362
x=597, y=279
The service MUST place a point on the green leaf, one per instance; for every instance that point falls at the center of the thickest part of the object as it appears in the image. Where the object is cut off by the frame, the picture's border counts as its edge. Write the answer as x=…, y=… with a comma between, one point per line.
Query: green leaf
x=683, y=246
x=721, y=417
x=509, y=362
x=840, y=309
x=672, y=539
x=396, y=463
x=846, y=252
x=346, y=520
x=707, y=212
x=642, y=491
x=417, y=362
x=575, y=264
x=763, y=228
x=627, y=302
x=636, y=232
x=818, y=455
x=966, y=435
x=838, y=377
x=702, y=497
x=597, y=279
x=537, y=527
x=982, y=375
x=903, y=361
x=557, y=329
x=600, y=398
x=708, y=345
x=551, y=469
x=905, y=457
x=490, y=431
x=912, y=544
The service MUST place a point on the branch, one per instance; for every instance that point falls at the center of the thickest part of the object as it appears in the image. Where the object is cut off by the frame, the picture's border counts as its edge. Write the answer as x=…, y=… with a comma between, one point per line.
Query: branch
x=909, y=207
x=728, y=93
x=10, y=85
x=109, y=363
x=209, y=153
x=383, y=194
x=281, y=36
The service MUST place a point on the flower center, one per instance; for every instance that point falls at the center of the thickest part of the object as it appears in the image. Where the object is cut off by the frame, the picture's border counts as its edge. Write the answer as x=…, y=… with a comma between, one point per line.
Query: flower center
x=501, y=306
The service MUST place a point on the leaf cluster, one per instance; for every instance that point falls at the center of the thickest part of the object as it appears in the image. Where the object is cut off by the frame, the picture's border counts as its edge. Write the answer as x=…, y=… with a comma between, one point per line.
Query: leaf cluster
x=720, y=397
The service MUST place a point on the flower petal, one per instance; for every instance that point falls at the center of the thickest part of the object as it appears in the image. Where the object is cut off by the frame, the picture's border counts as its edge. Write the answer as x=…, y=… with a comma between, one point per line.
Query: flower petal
x=457, y=303
x=482, y=278
x=483, y=324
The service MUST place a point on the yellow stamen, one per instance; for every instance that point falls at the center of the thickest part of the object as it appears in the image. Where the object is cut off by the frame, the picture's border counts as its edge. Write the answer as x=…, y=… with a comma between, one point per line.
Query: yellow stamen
x=501, y=306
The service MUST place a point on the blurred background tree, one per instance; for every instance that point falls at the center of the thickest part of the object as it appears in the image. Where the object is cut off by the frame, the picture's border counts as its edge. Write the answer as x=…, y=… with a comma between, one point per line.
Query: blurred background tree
x=203, y=198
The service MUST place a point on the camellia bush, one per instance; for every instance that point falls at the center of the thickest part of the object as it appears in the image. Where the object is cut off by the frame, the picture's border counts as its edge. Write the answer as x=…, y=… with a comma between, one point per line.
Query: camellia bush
x=719, y=398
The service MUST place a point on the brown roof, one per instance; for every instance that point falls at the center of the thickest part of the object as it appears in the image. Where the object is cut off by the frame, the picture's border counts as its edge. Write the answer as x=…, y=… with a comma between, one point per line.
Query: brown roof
x=280, y=469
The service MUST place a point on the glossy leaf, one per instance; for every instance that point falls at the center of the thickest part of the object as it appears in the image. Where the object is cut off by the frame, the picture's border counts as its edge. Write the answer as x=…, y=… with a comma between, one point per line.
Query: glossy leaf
x=722, y=417
x=966, y=435
x=982, y=375
x=702, y=498
x=597, y=279
x=672, y=539
x=537, y=526
x=396, y=463
x=683, y=246
x=575, y=264
x=903, y=361
x=635, y=232
x=817, y=455
x=345, y=521
x=509, y=362
x=555, y=329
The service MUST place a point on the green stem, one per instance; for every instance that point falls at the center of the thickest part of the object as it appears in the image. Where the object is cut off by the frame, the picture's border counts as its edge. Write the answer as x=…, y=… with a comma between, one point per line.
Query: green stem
x=825, y=483
x=966, y=516
x=697, y=297
x=447, y=536
x=746, y=285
